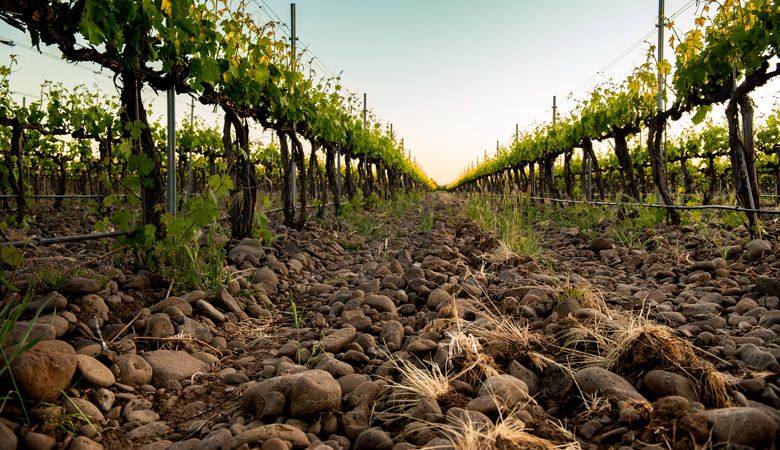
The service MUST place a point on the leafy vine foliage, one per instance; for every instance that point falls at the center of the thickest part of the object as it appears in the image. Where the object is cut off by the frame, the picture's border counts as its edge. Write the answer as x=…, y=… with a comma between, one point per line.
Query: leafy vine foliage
x=215, y=51
x=726, y=56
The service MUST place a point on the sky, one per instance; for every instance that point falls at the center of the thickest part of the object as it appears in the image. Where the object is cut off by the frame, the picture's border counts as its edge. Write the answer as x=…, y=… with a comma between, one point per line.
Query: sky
x=452, y=76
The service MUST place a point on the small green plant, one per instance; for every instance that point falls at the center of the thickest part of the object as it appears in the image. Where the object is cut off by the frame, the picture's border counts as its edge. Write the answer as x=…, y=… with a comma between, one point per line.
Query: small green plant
x=192, y=251
x=508, y=220
x=427, y=222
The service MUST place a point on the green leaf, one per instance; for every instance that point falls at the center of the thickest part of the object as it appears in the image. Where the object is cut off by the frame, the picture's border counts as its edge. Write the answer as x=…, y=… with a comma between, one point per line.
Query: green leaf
x=701, y=114
x=220, y=184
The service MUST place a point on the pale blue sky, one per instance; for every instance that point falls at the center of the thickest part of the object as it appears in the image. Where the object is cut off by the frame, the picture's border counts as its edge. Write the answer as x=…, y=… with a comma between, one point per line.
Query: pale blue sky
x=452, y=76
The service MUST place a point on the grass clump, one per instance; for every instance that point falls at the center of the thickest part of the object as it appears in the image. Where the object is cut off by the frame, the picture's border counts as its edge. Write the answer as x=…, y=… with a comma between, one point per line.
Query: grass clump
x=507, y=219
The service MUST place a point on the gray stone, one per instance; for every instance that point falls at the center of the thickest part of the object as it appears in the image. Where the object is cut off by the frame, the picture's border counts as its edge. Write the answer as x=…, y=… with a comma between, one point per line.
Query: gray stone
x=758, y=248
x=307, y=393
x=600, y=381
x=169, y=365
x=392, y=335
x=263, y=433
x=150, y=430
x=381, y=303
x=373, y=439
x=134, y=370
x=79, y=286
x=742, y=426
x=663, y=384
x=335, y=341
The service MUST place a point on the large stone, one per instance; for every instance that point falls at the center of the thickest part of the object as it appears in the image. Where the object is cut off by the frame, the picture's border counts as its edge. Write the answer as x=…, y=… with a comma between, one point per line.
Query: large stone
x=247, y=247
x=79, y=286
x=505, y=388
x=663, y=384
x=84, y=443
x=44, y=370
x=306, y=393
x=134, y=370
x=768, y=286
x=263, y=433
x=381, y=303
x=757, y=359
x=742, y=426
x=373, y=439
x=183, y=305
x=392, y=335
x=758, y=248
x=600, y=381
x=95, y=372
x=151, y=430
x=437, y=297
x=159, y=326
x=230, y=303
x=25, y=332
x=94, y=305
x=8, y=440
x=170, y=365
x=335, y=341
x=268, y=279
x=83, y=408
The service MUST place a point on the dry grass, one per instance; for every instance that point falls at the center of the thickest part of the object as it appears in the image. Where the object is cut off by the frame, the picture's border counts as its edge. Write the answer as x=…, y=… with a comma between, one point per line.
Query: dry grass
x=414, y=384
x=507, y=433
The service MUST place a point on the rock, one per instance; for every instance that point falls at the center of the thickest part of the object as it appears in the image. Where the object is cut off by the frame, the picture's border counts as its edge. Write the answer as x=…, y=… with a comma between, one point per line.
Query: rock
x=437, y=297
x=335, y=341
x=381, y=303
x=263, y=433
x=599, y=243
x=334, y=367
x=392, y=335
x=247, y=247
x=80, y=406
x=525, y=375
x=363, y=395
x=373, y=439
x=44, y=370
x=8, y=439
x=768, y=286
x=421, y=346
x=663, y=384
x=95, y=372
x=755, y=358
x=210, y=311
x=104, y=399
x=742, y=426
x=53, y=301
x=150, y=430
x=159, y=325
x=33, y=331
x=268, y=279
x=507, y=389
x=79, y=286
x=134, y=370
x=39, y=441
x=93, y=305
x=183, y=305
x=600, y=381
x=169, y=365
x=230, y=303
x=215, y=440
x=84, y=443
x=196, y=330
x=307, y=393
x=758, y=248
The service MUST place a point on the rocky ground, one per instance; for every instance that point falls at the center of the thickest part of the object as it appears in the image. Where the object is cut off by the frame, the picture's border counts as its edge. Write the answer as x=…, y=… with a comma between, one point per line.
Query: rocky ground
x=424, y=336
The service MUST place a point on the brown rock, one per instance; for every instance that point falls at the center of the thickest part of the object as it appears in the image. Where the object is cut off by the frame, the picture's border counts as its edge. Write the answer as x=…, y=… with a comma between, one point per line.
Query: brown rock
x=44, y=370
